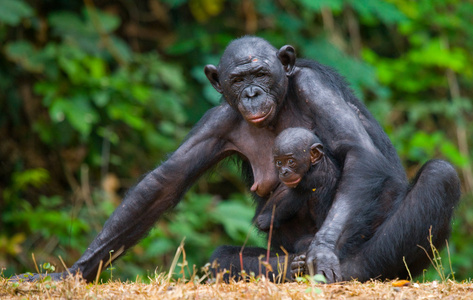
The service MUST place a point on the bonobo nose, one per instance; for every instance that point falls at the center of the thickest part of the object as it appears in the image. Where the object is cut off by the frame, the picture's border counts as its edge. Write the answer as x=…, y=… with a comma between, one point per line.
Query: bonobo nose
x=251, y=92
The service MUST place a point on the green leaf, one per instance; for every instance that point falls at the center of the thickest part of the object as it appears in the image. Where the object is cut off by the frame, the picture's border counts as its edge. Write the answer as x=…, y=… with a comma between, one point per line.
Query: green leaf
x=317, y=5
x=122, y=49
x=66, y=23
x=319, y=278
x=358, y=73
x=96, y=66
x=376, y=9
x=12, y=11
x=159, y=246
x=77, y=111
x=31, y=177
x=130, y=114
x=235, y=217
x=101, y=98
x=451, y=152
x=168, y=105
x=22, y=53
x=435, y=53
x=106, y=22
x=174, y=3
x=140, y=92
x=171, y=76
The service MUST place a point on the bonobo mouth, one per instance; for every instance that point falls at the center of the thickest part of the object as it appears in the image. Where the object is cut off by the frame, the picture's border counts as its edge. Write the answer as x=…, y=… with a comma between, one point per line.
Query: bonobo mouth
x=260, y=118
x=294, y=183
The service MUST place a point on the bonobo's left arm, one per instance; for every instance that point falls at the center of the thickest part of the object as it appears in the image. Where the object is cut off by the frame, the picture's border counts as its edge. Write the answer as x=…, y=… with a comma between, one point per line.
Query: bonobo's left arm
x=158, y=191
x=341, y=130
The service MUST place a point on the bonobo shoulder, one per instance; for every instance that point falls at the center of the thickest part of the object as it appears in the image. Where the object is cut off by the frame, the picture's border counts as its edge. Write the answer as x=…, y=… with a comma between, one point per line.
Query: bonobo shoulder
x=304, y=74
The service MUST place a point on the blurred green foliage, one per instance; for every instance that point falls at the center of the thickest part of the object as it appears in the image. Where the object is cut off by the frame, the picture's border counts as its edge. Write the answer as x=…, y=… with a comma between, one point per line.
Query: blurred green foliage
x=94, y=94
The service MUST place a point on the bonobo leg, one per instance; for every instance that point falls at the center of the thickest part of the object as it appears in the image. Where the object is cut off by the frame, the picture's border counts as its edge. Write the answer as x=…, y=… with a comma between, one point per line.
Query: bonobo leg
x=227, y=258
x=427, y=208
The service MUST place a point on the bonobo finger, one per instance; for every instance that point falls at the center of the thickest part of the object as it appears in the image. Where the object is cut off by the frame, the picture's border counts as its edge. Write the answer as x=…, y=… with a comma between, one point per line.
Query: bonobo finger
x=301, y=257
x=335, y=272
x=332, y=273
x=298, y=265
x=328, y=276
x=338, y=274
x=298, y=259
x=310, y=266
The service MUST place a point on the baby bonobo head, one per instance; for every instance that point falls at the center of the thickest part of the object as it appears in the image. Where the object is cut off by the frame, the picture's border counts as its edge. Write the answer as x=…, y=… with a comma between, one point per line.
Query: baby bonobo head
x=295, y=151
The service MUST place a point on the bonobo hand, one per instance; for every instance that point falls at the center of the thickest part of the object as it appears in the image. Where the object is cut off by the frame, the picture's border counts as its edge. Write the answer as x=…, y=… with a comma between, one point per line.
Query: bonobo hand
x=298, y=266
x=30, y=277
x=263, y=222
x=322, y=260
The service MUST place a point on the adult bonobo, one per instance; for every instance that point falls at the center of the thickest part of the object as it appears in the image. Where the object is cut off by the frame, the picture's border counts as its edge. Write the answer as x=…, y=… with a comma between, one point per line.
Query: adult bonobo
x=266, y=91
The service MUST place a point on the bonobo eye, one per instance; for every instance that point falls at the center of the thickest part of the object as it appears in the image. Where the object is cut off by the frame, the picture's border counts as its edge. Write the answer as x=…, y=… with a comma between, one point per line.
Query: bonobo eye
x=237, y=79
x=278, y=163
x=291, y=162
x=260, y=74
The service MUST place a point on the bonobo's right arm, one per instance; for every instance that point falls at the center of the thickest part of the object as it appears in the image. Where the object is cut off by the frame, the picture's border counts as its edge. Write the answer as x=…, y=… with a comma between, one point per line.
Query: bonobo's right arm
x=158, y=191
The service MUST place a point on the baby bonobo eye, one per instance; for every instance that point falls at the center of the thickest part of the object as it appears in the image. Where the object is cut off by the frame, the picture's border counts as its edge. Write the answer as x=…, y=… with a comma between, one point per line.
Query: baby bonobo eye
x=291, y=162
x=278, y=163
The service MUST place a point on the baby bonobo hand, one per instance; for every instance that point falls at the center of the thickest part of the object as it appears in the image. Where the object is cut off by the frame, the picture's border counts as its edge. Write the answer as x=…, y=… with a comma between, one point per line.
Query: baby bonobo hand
x=263, y=221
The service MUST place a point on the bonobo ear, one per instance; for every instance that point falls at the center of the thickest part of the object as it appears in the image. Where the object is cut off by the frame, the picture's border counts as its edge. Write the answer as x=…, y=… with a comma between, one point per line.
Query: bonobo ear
x=316, y=153
x=287, y=56
x=212, y=74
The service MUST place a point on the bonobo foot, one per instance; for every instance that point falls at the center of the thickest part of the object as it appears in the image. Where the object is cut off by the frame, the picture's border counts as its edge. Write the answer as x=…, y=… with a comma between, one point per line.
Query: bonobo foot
x=298, y=266
x=30, y=277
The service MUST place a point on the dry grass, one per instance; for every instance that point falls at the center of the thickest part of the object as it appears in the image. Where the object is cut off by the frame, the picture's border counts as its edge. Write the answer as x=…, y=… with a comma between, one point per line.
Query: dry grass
x=161, y=288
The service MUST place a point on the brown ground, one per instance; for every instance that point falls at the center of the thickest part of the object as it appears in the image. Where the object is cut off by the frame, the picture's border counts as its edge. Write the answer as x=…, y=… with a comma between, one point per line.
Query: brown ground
x=160, y=288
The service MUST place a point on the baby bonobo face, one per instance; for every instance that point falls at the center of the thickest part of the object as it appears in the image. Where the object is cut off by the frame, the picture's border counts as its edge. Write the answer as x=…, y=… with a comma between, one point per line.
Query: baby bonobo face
x=292, y=167
x=295, y=150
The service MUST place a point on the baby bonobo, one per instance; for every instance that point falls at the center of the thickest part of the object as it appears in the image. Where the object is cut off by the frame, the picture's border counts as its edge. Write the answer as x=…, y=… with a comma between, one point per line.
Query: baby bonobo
x=308, y=169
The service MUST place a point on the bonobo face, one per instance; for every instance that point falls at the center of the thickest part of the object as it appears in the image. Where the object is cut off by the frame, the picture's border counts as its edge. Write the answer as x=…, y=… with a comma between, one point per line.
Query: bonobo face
x=295, y=150
x=252, y=76
x=256, y=88
x=292, y=167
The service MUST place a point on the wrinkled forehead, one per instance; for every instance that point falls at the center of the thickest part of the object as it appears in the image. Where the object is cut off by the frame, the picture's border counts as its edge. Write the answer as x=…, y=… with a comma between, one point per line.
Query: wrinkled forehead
x=248, y=51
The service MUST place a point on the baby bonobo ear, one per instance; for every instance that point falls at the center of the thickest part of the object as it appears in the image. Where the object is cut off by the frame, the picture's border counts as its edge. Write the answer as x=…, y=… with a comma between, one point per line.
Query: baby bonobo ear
x=316, y=153
x=212, y=74
x=287, y=56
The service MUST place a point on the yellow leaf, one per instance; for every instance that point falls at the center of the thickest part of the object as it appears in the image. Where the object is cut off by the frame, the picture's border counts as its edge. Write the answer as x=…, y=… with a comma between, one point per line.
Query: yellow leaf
x=401, y=283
